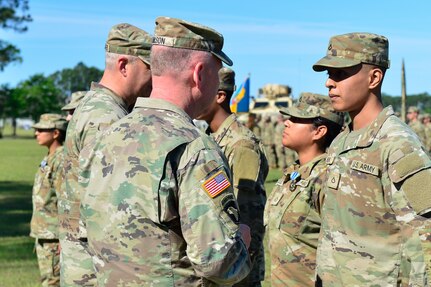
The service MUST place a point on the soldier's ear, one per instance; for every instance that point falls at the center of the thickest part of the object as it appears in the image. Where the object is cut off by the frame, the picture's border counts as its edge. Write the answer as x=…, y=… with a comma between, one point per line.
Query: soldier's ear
x=221, y=97
x=122, y=65
x=56, y=134
x=198, y=75
x=375, y=77
x=320, y=132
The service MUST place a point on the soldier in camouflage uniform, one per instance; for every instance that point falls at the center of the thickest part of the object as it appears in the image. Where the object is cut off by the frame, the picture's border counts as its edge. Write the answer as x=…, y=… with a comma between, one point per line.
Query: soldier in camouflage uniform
x=416, y=124
x=159, y=204
x=427, y=124
x=252, y=125
x=127, y=76
x=247, y=161
x=50, y=131
x=285, y=156
x=279, y=148
x=292, y=213
x=268, y=140
x=375, y=219
x=76, y=97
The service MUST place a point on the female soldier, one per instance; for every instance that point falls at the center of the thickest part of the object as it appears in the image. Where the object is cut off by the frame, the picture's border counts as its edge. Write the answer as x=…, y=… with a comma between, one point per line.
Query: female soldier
x=292, y=210
x=50, y=131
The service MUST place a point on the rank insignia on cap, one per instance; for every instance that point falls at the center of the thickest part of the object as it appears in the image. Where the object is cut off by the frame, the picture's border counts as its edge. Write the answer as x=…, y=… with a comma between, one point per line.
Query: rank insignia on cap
x=216, y=184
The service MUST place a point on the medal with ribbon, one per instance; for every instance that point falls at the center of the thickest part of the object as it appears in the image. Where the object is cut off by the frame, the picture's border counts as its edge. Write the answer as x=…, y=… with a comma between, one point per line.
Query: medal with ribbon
x=294, y=177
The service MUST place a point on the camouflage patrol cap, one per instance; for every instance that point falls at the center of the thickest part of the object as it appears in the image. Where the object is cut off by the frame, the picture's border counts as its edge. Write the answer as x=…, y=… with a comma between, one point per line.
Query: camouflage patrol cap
x=177, y=33
x=127, y=39
x=351, y=49
x=76, y=97
x=51, y=121
x=226, y=79
x=310, y=106
x=413, y=109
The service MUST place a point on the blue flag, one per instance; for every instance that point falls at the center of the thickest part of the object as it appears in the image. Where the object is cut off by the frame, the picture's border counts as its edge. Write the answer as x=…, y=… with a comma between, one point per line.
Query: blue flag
x=240, y=100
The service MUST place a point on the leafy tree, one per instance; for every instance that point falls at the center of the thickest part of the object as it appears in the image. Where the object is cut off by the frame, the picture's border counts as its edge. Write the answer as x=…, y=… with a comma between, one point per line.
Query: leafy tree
x=13, y=15
x=36, y=96
x=76, y=79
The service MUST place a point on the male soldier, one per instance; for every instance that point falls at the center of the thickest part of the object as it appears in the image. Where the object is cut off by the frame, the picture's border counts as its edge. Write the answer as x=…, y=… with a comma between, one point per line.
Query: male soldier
x=252, y=125
x=159, y=205
x=76, y=97
x=249, y=167
x=427, y=124
x=268, y=141
x=127, y=76
x=50, y=131
x=416, y=124
x=376, y=226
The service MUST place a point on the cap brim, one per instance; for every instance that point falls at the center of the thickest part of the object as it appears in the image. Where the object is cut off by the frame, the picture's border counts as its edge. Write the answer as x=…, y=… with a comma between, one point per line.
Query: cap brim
x=41, y=126
x=69, y=107
x=334, y=62
x=222, y=56
x=146, y=60
x=294, y=112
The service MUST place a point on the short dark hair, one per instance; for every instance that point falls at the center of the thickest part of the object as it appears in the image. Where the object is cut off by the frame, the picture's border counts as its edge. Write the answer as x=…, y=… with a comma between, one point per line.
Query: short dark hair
x=61, y=136
x=333, y=130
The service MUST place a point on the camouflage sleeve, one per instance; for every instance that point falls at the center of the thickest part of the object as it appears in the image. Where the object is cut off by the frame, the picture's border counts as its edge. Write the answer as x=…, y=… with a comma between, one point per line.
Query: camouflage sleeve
x=251, y=199
x=410, y=173
x=58, y=173
x=209, y=216
x=245, y=164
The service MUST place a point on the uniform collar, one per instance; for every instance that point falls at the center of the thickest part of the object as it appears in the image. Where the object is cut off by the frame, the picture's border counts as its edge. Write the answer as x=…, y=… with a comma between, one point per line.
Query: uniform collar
x=224, y=128
x=367, y=137
x=97, y=87
x=159, y=104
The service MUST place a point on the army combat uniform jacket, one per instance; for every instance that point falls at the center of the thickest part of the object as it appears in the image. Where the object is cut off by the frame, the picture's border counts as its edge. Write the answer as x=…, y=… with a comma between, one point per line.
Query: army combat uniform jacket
x=247, y=161
x=379, y=184
x=46, y=189
x=96, y=112
x=293, y=223
x=420, y=130
x=158, y=203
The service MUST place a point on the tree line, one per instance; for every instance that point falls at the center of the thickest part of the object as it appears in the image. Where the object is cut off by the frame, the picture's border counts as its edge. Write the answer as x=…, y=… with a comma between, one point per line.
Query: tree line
x=44, y=94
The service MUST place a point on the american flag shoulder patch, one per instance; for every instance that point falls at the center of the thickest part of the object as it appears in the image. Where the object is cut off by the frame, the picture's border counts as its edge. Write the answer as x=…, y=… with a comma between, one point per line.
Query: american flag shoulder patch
x=216, y=184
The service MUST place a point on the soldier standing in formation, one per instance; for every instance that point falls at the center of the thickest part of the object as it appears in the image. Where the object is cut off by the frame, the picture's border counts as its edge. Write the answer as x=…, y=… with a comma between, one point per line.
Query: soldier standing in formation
x=375, y=219
x=268, y=140
x=76, y=97
x=427, y=124
x=249, y=167
x=252, y=125
x=292, y=213
x=159, y=204
x=50, y=131
x=127, y=76
x=416, y=124
x=280, y=150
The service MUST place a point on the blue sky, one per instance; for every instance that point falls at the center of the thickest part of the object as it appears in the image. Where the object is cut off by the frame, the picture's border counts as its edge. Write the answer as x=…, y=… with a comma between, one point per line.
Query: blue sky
x=273, y=41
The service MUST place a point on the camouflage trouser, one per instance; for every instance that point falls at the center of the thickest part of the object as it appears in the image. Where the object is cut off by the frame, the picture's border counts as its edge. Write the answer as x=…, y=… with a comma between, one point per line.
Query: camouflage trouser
x=48, y=258
x=76, y=264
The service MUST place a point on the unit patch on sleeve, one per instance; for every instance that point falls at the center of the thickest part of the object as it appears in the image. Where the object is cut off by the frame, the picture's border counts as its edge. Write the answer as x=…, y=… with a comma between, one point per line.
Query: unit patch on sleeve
x=216, y=184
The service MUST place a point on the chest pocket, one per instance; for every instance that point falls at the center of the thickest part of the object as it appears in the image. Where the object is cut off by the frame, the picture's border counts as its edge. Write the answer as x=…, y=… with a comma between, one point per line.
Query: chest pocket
x=298, y=216
x=43, y=179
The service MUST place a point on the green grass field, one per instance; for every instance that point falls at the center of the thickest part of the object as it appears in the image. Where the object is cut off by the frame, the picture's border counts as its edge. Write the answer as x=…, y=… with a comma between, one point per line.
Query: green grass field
x=19, y=159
